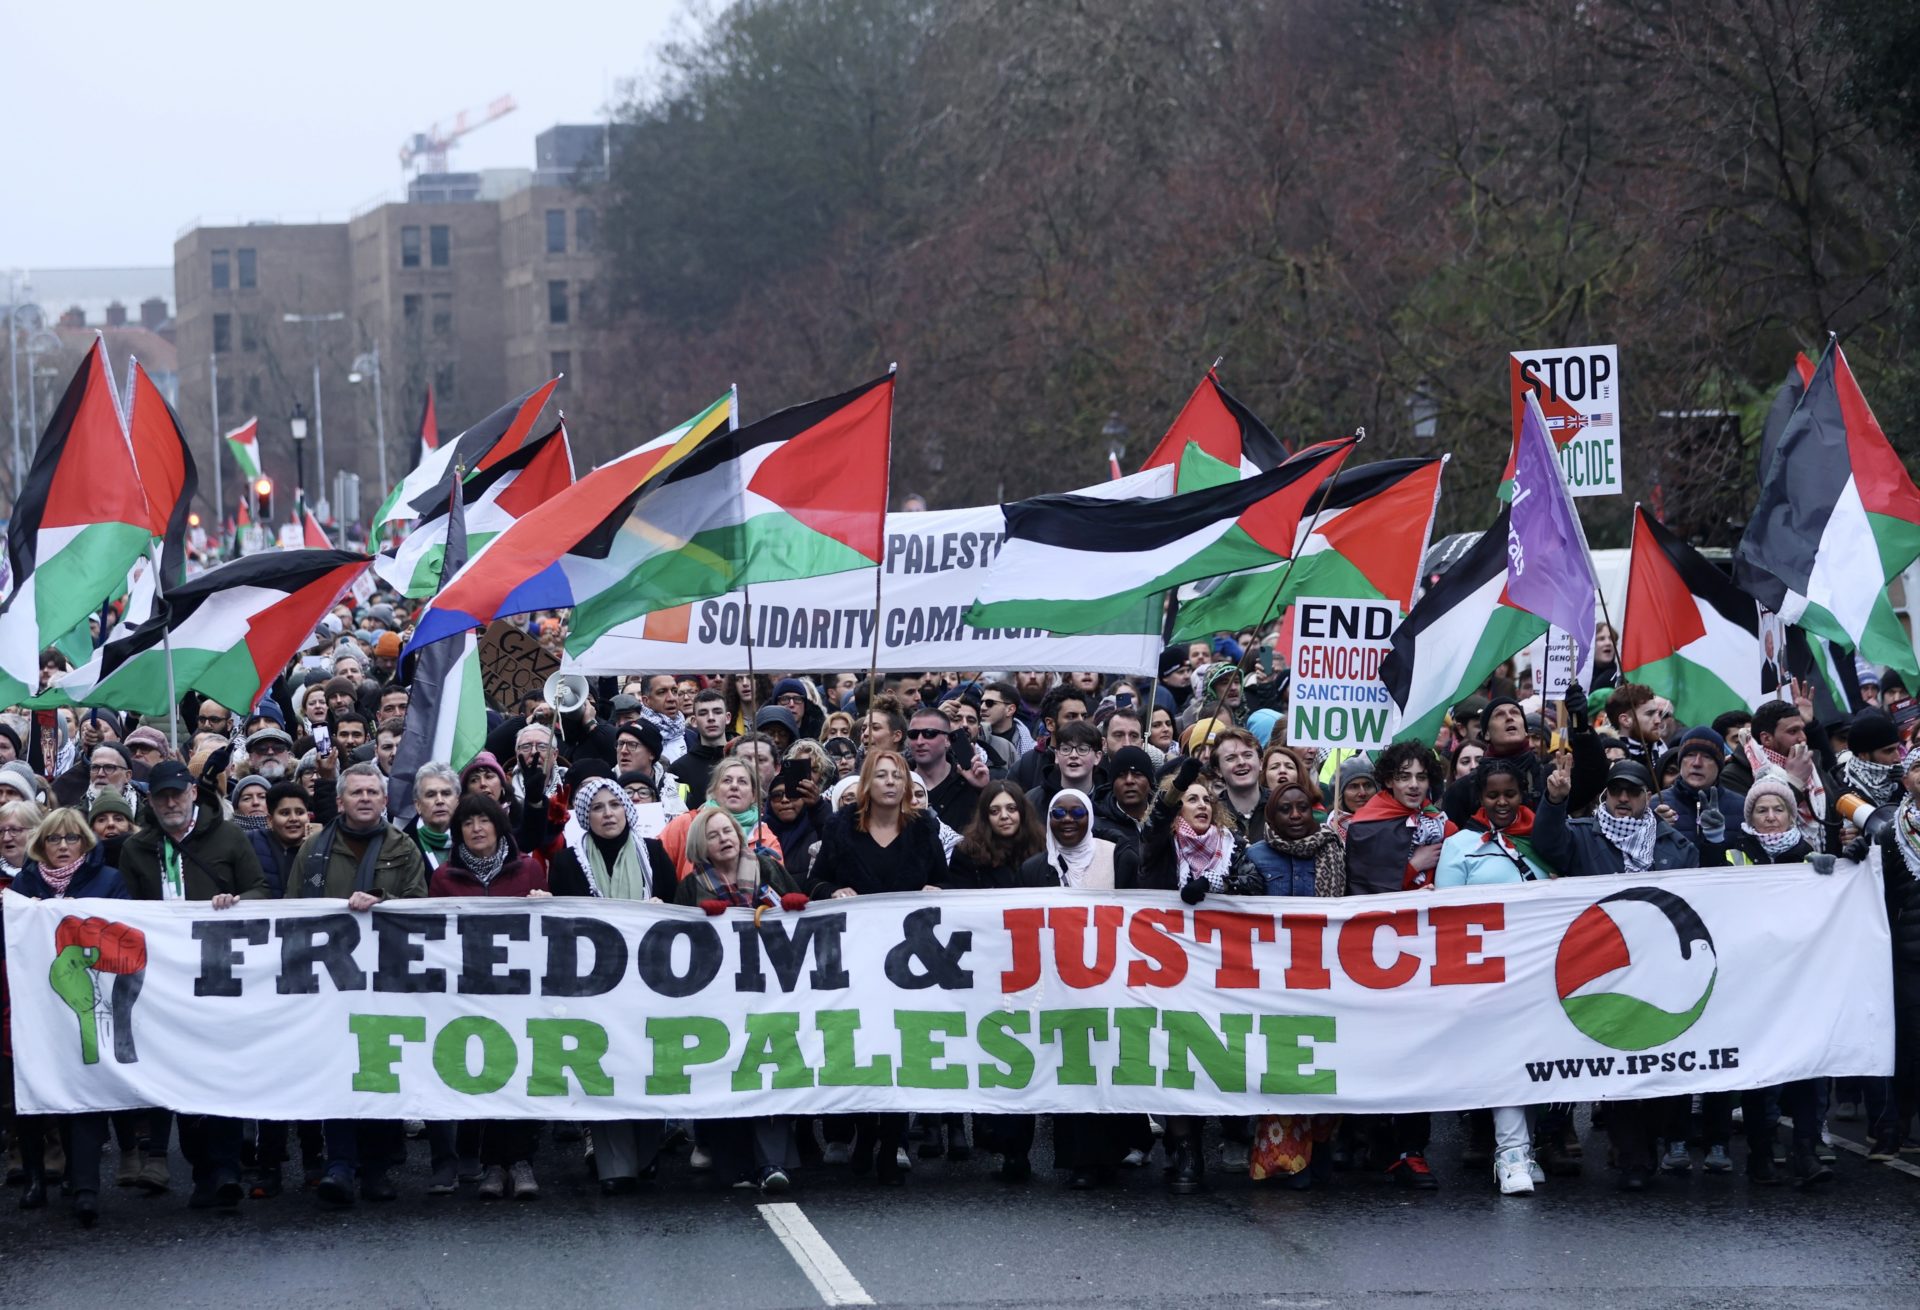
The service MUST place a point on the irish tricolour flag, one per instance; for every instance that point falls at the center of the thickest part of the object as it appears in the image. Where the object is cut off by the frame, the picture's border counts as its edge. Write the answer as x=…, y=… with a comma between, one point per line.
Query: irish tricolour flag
x=1838, y=517
x=1687, y=630
x=1456, y=636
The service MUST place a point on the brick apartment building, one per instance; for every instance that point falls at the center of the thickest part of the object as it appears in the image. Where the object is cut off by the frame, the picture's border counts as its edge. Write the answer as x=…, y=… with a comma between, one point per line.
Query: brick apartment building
x=476, y=284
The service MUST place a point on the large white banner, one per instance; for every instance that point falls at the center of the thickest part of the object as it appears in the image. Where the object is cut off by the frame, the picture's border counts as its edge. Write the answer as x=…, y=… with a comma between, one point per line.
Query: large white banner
x=1579, y=989
x=933, y=566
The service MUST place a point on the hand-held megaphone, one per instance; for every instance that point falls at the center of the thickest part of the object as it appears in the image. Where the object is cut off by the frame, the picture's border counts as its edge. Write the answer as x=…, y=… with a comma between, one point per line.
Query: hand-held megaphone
x=566, y=692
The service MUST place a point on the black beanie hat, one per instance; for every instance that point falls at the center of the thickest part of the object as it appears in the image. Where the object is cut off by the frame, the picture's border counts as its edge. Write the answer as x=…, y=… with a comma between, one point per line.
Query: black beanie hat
x=1486, y=714
x=1871, y=731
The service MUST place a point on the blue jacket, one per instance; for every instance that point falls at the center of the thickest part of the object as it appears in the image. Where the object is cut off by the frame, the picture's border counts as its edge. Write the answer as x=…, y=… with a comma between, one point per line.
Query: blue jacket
x=1576, y=848
x=1470, y=858
x=1688, y=805
x=1286, y=875
x=94, y=878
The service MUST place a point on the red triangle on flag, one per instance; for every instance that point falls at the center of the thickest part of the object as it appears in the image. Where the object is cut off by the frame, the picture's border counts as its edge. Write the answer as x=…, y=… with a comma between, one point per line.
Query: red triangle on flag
x=1662, y=615
x=1204, y=421
x=833, y=476
x=546, y=475
x=95, y=480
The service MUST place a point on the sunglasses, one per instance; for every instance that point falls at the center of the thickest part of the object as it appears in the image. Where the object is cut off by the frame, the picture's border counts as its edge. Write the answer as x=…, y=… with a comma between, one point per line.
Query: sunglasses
x=1068, y=812
x=991, y=704
x=923, y=734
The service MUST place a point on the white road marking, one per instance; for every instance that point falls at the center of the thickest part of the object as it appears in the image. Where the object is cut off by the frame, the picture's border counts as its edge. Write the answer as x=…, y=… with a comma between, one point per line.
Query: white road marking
x=826, y=1271
x=1846, y=1145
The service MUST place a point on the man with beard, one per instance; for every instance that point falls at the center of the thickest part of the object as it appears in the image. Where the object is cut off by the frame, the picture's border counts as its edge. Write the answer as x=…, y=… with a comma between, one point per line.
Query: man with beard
x=269, y=753
x=1871, y=768
x=109, y=769
x=191, y=853
x=365, y=859
x=349, y=733
x=1503, y=731
x=1640, y=719
x=1782, y=737
x=1000, y=719
x=1032, y=690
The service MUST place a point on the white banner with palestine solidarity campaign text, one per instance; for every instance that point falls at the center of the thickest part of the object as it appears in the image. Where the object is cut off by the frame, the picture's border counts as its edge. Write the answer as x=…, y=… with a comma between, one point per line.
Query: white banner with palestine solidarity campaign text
x=932, y=570
x=1579, y=989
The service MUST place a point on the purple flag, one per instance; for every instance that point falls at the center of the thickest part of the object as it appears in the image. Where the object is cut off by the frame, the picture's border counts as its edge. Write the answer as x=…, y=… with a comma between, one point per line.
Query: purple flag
x=1549, y=570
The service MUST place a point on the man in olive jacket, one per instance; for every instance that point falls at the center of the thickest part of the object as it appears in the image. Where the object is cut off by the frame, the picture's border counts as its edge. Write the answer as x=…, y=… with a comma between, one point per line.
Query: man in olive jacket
x=365, y=859
x=191, y=853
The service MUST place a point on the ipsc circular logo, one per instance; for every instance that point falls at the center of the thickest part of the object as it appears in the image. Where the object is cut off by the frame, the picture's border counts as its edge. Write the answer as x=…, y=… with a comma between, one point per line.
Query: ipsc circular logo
x=1636, y=970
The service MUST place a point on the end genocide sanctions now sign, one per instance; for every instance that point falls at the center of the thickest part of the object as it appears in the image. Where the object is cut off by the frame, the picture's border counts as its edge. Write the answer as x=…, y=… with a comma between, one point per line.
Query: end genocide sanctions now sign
x=1033, y=1001
x=1336, y=699
x=1579, y=391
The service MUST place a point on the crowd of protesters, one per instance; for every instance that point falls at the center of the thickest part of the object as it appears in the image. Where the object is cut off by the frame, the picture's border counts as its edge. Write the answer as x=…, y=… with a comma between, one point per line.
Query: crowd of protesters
x=777, y=790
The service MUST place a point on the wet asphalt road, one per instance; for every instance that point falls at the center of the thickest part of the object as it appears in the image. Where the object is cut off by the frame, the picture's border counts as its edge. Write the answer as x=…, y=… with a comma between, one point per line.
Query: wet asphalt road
x=954, y=1236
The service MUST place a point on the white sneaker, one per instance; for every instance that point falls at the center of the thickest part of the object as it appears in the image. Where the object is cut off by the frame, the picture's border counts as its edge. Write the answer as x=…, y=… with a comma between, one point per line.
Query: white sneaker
x=700, y=1160
x=901, y=1158
x=836, y=1153
x=1510, y=1167
x=1534, y=1171
x=1135, y=1158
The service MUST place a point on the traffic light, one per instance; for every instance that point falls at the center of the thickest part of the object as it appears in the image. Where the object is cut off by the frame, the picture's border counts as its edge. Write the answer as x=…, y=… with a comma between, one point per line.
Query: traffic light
x=263, y=500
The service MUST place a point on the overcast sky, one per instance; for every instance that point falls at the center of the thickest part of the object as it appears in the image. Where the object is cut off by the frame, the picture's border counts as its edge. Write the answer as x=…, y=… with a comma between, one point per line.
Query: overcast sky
x=126, y=121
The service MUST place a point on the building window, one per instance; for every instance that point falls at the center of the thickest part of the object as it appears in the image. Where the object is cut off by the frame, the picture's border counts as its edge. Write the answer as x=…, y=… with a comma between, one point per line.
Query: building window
x=250, y=392
x=557, y=302
x=586, y=227
x=442, y=384
x=410, y=310
x=439, y=245
x=442, y=315
x=221, y=271
x=247, y=281
x=585, y=297
x=409, y=247
x=249, y=333
x=562, y=361
x=556, y=231
x=222, y=333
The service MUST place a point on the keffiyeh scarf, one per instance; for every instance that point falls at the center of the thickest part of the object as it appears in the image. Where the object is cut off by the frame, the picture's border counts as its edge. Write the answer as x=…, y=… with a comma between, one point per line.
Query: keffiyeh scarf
x=1773, y=843
x=1633, y=838
x=1206, y=855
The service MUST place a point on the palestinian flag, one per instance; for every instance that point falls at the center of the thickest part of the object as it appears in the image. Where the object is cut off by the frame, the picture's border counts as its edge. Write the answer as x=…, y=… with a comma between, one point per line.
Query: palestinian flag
x=1215, y=440
x=799, y=494
x=429, y=428
x=1455, y=637
x=232, y=631
x=1838, y=518
x=83, y=518
x=1366, y=543
x=244, y=442
x=167, y=473
x=447, y=707
x=485, y=443
x=312, y=534
x=1688, y=632
x=496, y=496
x=1073, y=563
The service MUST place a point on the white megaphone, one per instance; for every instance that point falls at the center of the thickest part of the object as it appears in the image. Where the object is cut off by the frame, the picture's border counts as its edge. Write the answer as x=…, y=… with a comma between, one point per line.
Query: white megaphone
x=566, y=692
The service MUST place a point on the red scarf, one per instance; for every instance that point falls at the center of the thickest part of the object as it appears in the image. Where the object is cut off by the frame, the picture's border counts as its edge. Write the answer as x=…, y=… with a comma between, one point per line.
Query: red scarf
x=1522, y=825
x=1381, y=806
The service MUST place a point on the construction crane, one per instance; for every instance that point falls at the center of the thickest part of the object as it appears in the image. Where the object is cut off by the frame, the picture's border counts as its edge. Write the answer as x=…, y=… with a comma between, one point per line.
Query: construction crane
x=426, y=152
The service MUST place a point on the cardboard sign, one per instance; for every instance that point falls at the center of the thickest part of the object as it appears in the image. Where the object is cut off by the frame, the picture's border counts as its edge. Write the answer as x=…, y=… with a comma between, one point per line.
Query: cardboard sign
x=1337, y=700
x=1551, y=658
x=1579, y=392
x=513, y=665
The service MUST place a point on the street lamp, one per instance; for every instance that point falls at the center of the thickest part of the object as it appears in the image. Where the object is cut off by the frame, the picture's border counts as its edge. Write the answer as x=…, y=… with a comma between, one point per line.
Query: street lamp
x=297, y=425
x=364, y=365
x=313, y=322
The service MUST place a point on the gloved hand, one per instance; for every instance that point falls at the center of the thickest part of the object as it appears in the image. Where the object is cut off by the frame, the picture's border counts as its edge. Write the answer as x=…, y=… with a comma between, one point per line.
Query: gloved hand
x=714, y=909
x=1576, y=699
x=1194, y=892
x=1246, y=882
x=1856, y=850
x=793, y=901
x=1822, y=863
x=1188, y=775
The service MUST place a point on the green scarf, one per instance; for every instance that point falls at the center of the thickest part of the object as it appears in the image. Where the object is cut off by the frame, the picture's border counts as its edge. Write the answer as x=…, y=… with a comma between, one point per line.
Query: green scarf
x=748, y=819
x=626, y=881
x=433, y=845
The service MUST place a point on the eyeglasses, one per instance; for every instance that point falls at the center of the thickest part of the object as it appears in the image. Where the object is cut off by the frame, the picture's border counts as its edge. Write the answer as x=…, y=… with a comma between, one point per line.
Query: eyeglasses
x=790, y=698
x=106, y=768
x=1068, y=812
x=1075, y=748
x=61, y=837
x=924, y=734
x=215, y=720
x=12, y=832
